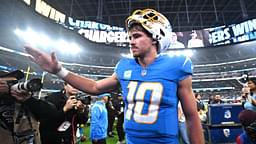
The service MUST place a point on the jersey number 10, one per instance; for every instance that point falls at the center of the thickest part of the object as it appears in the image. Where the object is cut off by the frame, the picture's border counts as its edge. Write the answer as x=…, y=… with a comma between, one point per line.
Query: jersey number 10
x=136, y=101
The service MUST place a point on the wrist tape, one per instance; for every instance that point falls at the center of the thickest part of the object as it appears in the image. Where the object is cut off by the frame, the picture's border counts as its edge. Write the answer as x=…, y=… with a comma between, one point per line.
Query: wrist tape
x=62, y=73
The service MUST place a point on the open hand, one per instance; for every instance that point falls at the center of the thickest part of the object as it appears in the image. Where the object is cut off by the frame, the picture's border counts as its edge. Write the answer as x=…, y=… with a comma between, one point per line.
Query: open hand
x=46, y=61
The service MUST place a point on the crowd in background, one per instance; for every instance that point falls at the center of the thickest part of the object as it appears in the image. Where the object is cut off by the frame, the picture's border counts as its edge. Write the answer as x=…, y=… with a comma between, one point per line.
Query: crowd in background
x=64, y=111
x=55, y=118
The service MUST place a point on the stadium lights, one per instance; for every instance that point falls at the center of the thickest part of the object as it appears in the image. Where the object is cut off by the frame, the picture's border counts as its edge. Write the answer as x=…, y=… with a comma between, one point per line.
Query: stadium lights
x=75, y=48
x=42, y=40
x=18, y=32
x=225, y=63
x=61, y=46
x=126, y=55
x=186, y=52
x=67, y=48
x=212, y=89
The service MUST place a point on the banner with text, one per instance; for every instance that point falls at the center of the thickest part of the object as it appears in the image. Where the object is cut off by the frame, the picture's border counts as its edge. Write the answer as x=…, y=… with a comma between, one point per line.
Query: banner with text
x=103, y=33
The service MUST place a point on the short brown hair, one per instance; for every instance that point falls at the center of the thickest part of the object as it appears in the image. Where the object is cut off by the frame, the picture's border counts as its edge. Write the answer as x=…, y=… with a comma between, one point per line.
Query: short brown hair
x=139, y=27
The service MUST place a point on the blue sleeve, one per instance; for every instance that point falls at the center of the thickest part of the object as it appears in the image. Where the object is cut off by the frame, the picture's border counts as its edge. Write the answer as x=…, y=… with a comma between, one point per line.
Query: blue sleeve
x=118, y=68
x=186, y=68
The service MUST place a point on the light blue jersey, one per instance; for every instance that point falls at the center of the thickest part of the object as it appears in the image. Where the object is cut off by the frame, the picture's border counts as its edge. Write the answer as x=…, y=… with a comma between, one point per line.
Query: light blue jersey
x=249, y=106
x=150, y=96
x=99, y=121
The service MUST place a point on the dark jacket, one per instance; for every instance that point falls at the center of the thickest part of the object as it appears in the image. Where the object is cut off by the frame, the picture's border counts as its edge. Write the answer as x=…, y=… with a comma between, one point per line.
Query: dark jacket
x=56, y=117
x=17, y=123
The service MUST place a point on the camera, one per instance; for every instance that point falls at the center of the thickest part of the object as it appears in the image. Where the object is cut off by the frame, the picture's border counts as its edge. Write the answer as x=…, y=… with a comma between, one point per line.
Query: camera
x=84, y=98
x=245, y=78
x=32, y=85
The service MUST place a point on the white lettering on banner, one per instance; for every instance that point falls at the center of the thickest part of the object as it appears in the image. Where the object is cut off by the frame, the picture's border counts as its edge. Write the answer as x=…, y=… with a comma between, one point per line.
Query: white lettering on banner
x=220, y=35
x=103, y=26
x=120, y=36
x=244, y=27
x=234, y=33
x=92, y=25
x=241, y=38
x=104, y=36
x=74, y=24
x=252, y=35
x=96, y=35
x=103, y=33
x=110, y=37
x=47, y=11
x=28, y=2
x=252, y=24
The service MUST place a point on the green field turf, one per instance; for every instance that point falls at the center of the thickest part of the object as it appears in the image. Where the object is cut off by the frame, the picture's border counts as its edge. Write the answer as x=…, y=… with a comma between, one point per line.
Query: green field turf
x=110, y=140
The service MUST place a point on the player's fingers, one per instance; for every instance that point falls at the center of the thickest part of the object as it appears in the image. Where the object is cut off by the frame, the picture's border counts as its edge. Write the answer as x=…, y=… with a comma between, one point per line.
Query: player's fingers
x=32, y=51
x=54, y=57
x=31, y=58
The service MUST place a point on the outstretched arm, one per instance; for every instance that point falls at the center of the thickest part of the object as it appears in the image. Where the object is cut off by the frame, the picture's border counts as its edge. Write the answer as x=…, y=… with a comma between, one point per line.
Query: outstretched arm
x=47, y=62
x=51, y=64
x=189, y=107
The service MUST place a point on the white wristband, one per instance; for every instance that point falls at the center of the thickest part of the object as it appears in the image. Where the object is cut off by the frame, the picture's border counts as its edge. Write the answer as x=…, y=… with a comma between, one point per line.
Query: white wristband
x=62, y=73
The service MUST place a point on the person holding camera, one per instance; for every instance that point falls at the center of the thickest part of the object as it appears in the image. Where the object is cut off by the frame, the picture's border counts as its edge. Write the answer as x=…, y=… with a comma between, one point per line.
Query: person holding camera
x=70, y=112
x=247, y=117
x=18, y=125
x=249, y=94
x=20, y=113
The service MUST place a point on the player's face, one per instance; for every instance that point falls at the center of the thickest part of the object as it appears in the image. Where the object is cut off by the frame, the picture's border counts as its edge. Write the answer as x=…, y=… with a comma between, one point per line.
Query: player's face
x=140, y=43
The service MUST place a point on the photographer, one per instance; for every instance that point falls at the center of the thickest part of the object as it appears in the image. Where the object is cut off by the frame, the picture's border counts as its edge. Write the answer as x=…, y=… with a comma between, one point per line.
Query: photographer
x=247, y=117
x=17, y=123
x=70, y=113
x=249, y=95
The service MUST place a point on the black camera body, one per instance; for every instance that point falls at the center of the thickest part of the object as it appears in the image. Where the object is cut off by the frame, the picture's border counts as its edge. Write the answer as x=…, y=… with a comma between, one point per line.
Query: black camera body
x=84, y=98
x=32, y=85
x=245, y=78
